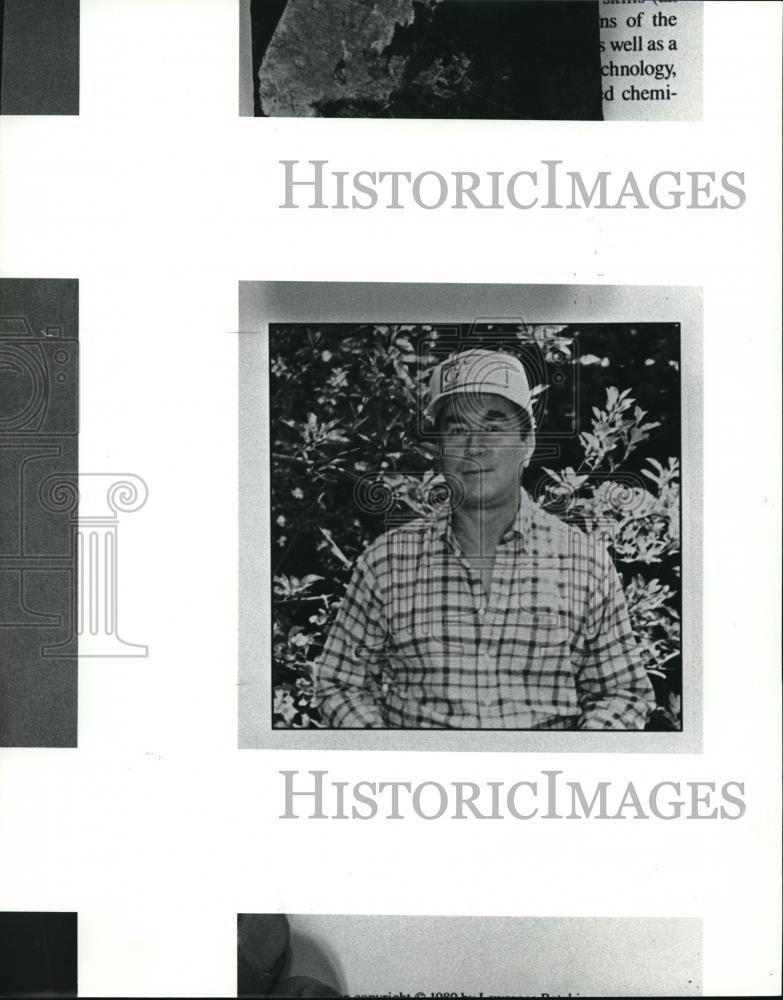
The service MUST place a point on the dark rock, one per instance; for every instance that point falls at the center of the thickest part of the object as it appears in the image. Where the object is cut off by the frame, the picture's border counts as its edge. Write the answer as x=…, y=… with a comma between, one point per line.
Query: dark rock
x=263, y=942
x=433, y=59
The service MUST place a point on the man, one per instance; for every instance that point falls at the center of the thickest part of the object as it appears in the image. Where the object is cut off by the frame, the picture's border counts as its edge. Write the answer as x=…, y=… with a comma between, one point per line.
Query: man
x=493, y=614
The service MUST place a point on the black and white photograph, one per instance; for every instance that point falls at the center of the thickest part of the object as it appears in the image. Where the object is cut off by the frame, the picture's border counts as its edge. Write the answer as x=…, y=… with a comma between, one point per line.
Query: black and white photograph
x=475, y=526
x=559, y=60
x=325, y=955
x=39, y=57
x=479, y=592
x=412, y=59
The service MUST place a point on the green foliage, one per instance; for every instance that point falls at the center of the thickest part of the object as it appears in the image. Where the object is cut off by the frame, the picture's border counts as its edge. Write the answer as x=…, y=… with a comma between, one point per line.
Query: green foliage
x=346, y=407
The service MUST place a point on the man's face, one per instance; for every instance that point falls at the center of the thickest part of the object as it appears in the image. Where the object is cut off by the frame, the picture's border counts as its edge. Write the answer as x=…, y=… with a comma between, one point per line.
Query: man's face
x=482, y=448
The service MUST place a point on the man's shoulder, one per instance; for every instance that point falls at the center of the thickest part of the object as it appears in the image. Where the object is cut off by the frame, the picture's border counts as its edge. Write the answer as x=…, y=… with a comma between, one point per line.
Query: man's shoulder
x=402, y=539
x=566, y=537
x=416, y=529
x=547, y=522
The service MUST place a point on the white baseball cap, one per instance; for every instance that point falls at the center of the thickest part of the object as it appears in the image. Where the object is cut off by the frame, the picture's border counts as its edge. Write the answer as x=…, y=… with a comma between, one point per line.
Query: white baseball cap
x=479, y=371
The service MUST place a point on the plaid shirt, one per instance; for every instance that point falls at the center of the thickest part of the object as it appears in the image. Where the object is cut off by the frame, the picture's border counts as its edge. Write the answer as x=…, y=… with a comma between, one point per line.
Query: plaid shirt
x=418, y=644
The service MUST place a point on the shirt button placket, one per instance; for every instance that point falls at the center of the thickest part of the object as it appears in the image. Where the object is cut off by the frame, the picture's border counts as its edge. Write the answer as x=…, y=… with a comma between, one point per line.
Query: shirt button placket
x=484, y=677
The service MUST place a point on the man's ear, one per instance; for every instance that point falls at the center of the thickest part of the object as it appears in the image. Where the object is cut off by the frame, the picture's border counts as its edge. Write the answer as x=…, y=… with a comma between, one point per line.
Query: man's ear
x=530, y=447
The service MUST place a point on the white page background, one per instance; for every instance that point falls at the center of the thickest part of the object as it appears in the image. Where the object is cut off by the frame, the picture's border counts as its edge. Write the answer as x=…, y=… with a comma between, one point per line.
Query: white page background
x=159, y=198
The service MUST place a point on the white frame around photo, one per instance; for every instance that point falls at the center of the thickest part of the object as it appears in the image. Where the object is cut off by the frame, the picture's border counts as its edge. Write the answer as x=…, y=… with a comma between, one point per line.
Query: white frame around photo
x=265, y=303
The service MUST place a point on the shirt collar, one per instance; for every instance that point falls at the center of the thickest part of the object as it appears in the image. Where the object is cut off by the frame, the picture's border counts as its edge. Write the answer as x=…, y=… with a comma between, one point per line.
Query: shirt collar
x=519, y=529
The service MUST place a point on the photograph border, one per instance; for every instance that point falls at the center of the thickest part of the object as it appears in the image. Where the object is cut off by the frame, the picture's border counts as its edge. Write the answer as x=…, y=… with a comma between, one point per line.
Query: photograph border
x=264, y=303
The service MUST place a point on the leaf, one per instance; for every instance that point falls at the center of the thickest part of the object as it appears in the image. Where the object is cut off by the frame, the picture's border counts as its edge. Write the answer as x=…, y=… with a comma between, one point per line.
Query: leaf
x=554, y=475
x=335, y=547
